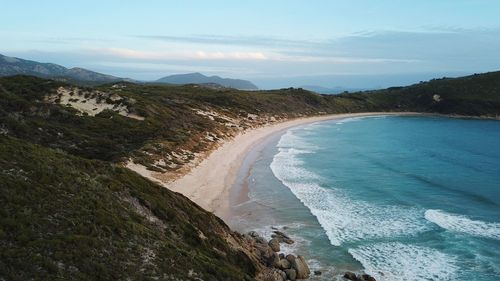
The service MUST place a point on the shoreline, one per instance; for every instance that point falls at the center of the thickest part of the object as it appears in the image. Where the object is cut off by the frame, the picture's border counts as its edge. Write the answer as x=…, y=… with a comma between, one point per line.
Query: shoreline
x=210, y=184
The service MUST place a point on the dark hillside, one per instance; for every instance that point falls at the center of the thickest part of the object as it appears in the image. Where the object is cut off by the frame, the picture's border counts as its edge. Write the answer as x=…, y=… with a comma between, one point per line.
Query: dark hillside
x=70, y=210
x=65, y=217
x=475, y=95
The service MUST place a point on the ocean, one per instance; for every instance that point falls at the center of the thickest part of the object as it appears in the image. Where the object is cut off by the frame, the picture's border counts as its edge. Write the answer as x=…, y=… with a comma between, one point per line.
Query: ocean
x=397, y=197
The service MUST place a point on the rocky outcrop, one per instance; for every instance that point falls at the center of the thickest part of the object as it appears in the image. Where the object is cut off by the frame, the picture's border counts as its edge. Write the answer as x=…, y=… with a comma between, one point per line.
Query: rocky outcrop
x=282, y=237
x=350, y=276
x=274, y=260
x=362, y=277
x=291, y=274
x=300, y=265
x=284, y=264
x=366, y=277
x=274, y=244
x=278, y=267
x=272, y=274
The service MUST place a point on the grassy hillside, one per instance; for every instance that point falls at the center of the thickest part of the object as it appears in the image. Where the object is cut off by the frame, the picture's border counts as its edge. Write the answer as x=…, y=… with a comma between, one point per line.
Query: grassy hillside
x=65, y=217
x=475, y=95
x=71, y=211
x=172, y=121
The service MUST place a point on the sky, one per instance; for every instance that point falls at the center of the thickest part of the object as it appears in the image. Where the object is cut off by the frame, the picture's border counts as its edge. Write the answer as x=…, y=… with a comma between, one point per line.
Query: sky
x=329, y=43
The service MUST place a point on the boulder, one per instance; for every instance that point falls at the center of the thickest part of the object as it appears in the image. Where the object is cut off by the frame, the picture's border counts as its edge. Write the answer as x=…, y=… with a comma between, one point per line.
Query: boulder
x=317, y=272
x=249, y=239
x=366, y=277
x=282, y=256
x=282, y=237
x=284, y=264
x=257, y=237
x=283, y=275
x=274, y=260
x=350, y=275
x=253, y=234
x=281, y=234
x=264, y=252
x=271, y=274
x=291, y=274
x=274, y=244
x=290, y=258
x=300, y=265
x=260, y=240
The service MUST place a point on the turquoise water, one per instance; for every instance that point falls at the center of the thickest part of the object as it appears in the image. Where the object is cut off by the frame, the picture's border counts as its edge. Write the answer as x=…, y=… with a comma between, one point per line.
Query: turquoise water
x=401, y=198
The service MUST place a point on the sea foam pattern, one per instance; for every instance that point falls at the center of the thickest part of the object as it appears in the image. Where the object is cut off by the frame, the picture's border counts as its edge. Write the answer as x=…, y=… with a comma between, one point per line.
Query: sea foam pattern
x=462, y=224
x=384, y=221
x=397, y=261
x=343, y=219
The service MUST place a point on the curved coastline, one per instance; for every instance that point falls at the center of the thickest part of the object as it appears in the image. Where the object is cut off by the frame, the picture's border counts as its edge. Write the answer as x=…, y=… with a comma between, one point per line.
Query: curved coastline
x=210, y=184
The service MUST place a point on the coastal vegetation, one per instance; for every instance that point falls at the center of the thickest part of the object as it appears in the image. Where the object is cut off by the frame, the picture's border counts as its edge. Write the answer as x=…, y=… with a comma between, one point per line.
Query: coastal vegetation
x=70, y=210
x=476, y=95
x=65, y=217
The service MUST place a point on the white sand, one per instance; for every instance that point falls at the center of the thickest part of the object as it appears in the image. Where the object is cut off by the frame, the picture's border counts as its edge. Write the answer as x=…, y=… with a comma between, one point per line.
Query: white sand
x=74, y=97
x=209, y=183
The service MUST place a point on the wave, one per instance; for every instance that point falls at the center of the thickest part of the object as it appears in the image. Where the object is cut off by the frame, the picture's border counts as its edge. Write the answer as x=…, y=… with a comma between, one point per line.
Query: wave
x=359, y=118
x=463, y=224
x=392, y=241
x=295, y=143
x=397, y=261
x=343, y=219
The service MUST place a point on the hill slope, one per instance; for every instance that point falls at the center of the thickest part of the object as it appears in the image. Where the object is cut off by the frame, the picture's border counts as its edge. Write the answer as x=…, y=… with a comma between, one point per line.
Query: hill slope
x=474, y=95
x=10, y=66
x=70, y=209
x=65, y=217
x=198, y=78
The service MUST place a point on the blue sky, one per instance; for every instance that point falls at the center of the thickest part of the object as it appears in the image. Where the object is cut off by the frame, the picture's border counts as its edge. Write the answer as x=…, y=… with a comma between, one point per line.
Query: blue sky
x=350, y=43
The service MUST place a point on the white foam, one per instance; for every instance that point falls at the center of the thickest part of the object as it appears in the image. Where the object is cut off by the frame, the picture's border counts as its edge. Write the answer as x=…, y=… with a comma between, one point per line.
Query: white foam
x=292, y=141
x=397, y=261
x=342, y=218
x=314, y=126
x=353, y=119
x=463, y=224
x=359, y=118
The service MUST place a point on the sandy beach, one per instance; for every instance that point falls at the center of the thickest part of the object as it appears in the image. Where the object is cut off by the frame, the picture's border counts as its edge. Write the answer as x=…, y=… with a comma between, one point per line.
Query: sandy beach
x=209, y=184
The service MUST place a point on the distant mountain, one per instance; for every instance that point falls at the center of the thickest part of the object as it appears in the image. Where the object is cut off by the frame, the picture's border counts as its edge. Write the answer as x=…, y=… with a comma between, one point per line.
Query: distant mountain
x=198, y=78
x=14, y=66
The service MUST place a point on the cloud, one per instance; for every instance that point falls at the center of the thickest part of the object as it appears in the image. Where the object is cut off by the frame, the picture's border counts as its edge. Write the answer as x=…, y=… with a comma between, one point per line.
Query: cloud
x=343, y=60
x=424, y=44
x=447, y=50
x=260, y=41
x=439, y=50
x=187, y=55
x=437, y=45
x=237, y=56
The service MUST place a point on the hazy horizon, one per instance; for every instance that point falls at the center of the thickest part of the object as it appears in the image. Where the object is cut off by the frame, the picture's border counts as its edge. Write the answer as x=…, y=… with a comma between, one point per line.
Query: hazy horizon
x=358, y=44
